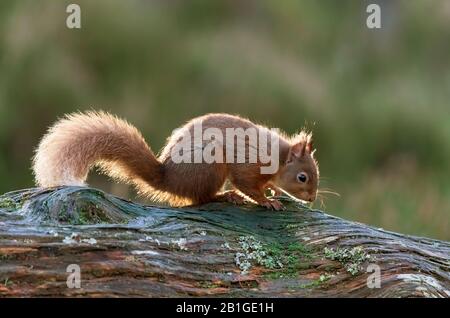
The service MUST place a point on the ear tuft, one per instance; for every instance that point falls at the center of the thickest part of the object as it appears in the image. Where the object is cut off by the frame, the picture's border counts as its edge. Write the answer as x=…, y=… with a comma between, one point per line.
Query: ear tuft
x=302, y=143
x=298, y=149
x=309, y=144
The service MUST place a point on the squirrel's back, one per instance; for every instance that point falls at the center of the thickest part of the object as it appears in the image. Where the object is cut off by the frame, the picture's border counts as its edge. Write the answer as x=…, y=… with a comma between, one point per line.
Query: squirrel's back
x=79, y=141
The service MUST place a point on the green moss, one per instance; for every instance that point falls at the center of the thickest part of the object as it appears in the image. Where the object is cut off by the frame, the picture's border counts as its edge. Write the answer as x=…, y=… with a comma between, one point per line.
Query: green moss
x=295, y=257
x=82, y=218
x=89, y=214
x=5, y=257
x=300, y=248
x=293, y=226
x=279, y=260
x=252, y=252
x=317, y=282
x=85, y=214
x=208, y=284
x=351, y=259
x=9, y=204
x=63, y=216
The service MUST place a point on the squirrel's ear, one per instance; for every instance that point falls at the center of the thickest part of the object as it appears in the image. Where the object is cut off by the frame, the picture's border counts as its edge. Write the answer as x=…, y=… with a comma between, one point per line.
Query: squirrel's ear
x=309, y=145
x=297, y=150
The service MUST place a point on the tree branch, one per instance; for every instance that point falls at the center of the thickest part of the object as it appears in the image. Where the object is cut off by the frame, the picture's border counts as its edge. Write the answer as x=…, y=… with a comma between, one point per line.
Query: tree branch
x=126, y=249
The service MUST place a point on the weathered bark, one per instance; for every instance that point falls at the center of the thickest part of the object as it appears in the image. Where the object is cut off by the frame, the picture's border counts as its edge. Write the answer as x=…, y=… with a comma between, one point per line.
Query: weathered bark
x=126, y=249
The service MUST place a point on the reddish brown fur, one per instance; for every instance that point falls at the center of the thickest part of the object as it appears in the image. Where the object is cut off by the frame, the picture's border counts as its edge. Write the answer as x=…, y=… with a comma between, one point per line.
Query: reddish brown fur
x=80, y=141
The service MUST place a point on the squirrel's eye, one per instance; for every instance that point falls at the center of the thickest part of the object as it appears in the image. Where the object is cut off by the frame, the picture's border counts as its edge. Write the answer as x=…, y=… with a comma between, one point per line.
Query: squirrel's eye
x=302, y=177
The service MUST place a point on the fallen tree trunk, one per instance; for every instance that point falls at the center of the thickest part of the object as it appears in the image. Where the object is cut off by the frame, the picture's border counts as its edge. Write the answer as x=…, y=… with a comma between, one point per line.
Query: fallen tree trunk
x=126, y=249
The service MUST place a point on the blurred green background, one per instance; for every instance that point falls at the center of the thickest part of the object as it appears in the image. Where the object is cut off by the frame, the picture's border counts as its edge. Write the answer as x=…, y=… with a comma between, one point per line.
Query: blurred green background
x=377, y=100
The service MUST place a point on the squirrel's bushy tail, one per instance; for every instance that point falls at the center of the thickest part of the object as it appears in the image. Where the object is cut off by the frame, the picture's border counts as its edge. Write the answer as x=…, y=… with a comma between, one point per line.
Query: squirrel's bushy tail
x=79, y=141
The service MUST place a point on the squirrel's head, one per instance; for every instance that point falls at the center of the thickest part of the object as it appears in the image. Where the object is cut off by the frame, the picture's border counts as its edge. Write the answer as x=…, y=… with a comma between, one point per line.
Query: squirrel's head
x=300, y=174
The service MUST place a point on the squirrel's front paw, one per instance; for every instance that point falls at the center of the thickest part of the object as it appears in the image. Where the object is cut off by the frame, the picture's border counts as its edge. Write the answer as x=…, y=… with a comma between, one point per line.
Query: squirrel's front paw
x=231, y=196
x=273, y=204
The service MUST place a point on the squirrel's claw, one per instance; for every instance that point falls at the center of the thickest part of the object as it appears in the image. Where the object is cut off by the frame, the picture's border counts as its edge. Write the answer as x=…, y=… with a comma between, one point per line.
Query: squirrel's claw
x=273, y=204
x=277, y=205
x=231, y=196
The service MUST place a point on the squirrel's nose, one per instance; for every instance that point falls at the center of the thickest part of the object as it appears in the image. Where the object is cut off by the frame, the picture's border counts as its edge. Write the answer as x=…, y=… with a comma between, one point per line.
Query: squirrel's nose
x=307, y=196
x=312, y=197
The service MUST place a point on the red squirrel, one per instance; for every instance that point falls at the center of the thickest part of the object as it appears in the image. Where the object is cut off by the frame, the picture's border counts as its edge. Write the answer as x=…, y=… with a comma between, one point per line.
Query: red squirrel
x=80, y=141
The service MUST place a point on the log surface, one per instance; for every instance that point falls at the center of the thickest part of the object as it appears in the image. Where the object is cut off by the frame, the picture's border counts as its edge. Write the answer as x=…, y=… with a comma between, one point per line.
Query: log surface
x=127, y=249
